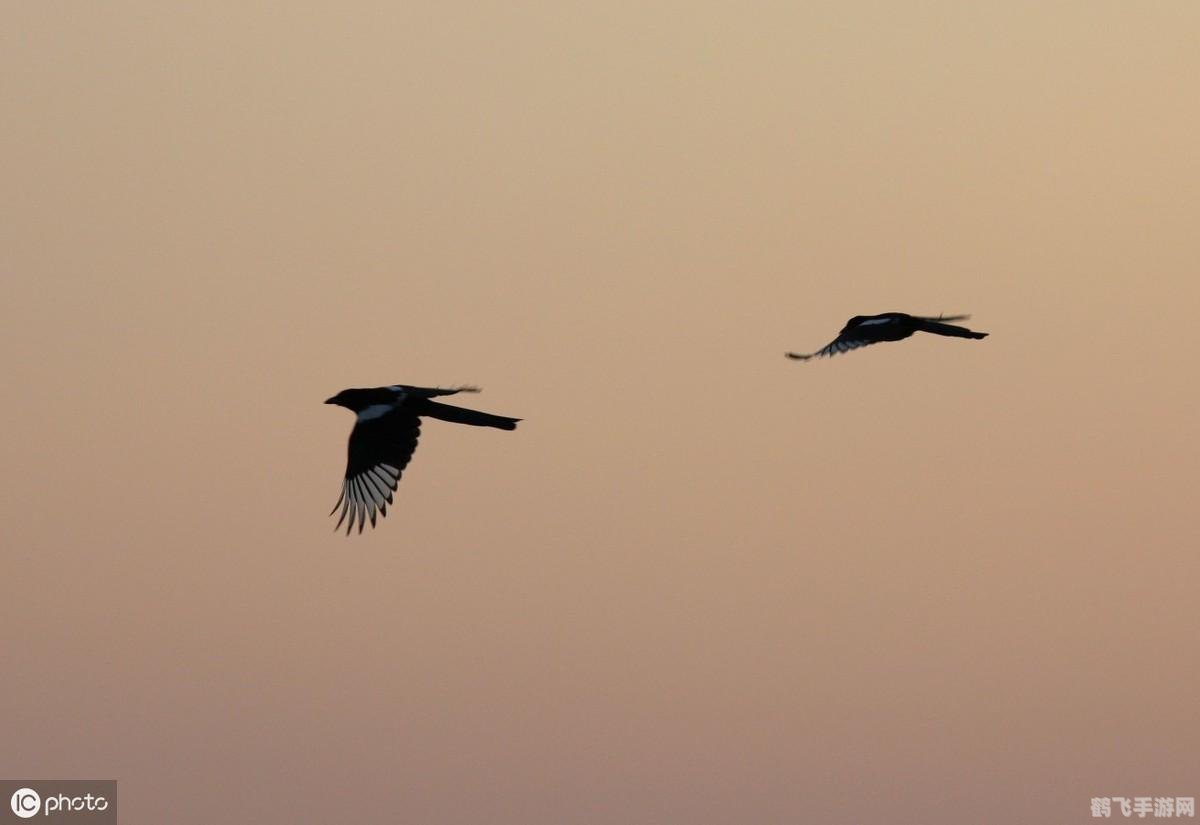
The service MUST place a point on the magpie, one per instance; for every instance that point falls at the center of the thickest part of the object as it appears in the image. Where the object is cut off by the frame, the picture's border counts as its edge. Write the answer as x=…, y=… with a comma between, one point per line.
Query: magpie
x=384, y=438
x=864, y=330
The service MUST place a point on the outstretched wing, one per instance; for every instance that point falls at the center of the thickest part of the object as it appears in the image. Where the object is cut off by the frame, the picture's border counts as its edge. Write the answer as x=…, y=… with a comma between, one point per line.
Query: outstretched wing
x=431, y=392
x=943, y=318
x=380, y=448
x=843, y=343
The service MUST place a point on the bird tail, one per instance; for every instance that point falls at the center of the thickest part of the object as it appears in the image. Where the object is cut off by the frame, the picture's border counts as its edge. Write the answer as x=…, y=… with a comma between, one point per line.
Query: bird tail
x=461, y=415
x=938, y=328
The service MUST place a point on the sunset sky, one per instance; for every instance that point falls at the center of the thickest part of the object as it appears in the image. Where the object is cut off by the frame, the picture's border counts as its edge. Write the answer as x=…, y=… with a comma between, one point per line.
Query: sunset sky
x=936, y=581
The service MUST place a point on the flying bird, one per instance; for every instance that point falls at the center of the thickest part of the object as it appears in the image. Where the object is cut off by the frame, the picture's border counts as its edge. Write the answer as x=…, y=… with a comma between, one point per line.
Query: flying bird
x=864, y=330
x=384, y=438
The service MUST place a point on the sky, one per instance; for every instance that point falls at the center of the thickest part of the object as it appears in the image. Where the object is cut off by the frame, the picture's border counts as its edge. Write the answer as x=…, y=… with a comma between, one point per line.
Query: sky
x=936, y=581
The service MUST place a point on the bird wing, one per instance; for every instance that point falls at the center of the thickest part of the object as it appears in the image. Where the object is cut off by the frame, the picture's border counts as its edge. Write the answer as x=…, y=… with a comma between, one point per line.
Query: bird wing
x=380, y=448
x=843, y=343
x=943, y=318
x=431, y=392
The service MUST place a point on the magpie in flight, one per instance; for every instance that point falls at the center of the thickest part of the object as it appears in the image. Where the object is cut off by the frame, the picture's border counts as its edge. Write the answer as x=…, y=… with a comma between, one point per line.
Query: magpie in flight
x=384, y=438
x=864, y=330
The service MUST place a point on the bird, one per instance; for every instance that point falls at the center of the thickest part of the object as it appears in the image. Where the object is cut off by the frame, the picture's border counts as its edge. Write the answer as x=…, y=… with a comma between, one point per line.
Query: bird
x=384, y=438
x=864, y=330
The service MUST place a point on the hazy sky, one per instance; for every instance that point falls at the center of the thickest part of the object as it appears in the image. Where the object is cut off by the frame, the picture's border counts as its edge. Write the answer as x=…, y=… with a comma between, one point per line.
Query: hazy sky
x=938, y=581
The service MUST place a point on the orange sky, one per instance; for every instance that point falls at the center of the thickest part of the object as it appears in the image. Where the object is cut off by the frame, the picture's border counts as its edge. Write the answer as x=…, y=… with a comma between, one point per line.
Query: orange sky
x=938, y=581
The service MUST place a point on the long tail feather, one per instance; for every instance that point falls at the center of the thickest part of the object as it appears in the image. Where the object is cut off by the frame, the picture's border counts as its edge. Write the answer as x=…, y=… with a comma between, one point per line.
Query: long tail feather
x=461, y=415
x=949, y=329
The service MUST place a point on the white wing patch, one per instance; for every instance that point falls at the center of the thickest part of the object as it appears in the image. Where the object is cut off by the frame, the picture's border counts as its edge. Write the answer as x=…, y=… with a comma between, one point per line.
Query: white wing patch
x=877, y=321
x=839, y=346
x=375, y=411
x=365, y=495
x=834, y=347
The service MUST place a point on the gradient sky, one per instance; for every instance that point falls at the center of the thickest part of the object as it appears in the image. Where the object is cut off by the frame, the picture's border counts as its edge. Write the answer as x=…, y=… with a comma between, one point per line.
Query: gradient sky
x=938, y=581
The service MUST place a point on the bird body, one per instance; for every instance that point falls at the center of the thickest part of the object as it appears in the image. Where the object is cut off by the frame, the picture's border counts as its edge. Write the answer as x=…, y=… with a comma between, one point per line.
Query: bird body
x=864, y=330
x=384, y=438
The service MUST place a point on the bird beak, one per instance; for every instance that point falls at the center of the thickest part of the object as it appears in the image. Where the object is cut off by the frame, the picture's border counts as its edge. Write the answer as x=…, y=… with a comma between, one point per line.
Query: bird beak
x=331, y=400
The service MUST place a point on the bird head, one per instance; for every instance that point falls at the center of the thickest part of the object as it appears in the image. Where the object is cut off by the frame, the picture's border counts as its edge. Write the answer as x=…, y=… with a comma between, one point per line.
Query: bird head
x=350, y=399
x=853, y=322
